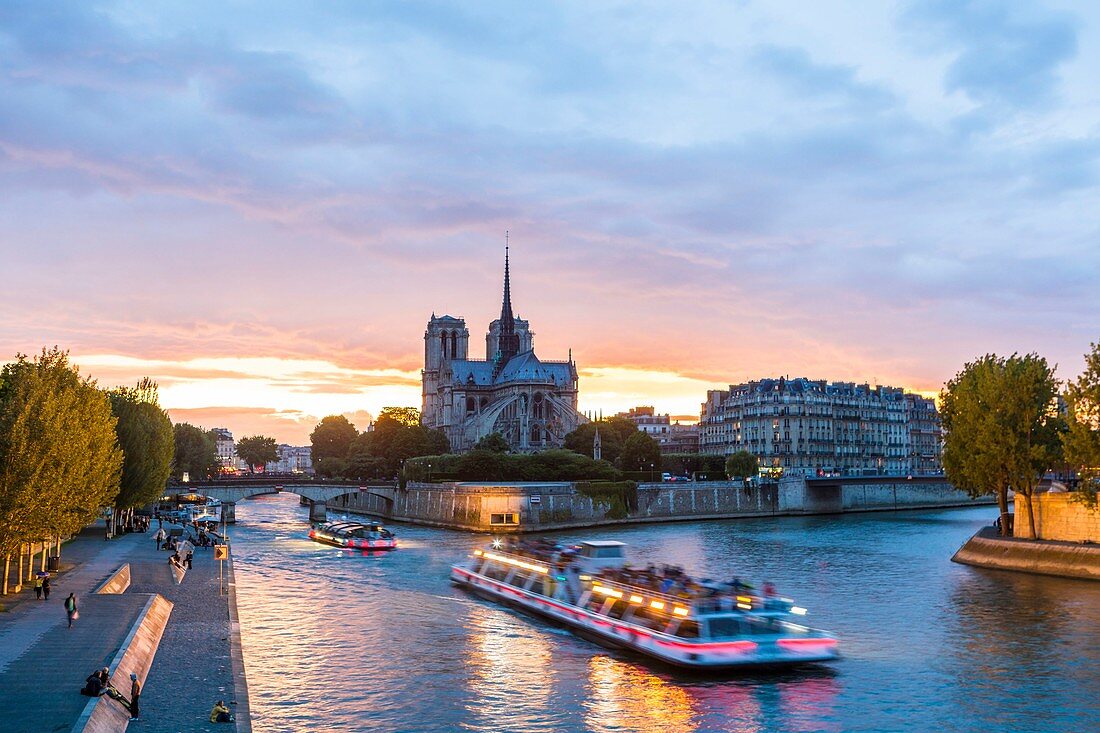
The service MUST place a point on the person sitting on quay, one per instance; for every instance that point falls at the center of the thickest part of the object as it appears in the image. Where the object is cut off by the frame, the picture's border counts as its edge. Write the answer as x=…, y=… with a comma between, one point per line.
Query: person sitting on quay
x=220, y=713
x=97, y=683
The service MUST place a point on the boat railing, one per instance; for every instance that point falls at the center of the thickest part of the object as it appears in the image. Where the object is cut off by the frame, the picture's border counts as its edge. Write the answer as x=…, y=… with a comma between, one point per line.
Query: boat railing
x=647, y=595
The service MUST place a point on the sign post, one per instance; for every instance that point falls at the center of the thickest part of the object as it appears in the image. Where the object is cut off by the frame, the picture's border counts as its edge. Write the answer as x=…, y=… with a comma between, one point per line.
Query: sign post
x=221, y=554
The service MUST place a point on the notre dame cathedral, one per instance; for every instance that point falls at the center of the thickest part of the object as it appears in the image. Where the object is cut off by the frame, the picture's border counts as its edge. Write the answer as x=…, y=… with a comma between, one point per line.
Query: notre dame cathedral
x=532, y=403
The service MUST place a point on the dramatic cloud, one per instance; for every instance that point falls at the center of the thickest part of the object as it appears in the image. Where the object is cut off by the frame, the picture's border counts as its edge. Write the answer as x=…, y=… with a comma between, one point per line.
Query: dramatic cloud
x=260, y=204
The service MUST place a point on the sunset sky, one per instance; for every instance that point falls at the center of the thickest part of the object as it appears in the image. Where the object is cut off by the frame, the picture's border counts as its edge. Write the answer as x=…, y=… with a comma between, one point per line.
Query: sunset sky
x=260, y=205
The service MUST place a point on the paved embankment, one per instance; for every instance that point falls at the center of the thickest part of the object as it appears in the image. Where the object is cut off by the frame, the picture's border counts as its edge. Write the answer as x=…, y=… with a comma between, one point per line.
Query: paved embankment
x=987, y=549
x=43, y=664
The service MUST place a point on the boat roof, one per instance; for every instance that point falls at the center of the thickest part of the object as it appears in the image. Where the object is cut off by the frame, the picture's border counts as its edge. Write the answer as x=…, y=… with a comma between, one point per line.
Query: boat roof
x=603, y=543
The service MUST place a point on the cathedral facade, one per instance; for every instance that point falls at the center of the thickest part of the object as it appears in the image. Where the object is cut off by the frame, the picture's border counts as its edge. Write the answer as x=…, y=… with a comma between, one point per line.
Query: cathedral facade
x=532, y=403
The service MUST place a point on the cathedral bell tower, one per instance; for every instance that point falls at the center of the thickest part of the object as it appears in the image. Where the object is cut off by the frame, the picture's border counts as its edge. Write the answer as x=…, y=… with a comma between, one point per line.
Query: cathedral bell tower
x=445, y=339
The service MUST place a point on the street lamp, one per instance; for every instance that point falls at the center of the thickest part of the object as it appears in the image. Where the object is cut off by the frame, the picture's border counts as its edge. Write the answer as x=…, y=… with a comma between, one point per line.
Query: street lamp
x=429, y=473
x=652, y=478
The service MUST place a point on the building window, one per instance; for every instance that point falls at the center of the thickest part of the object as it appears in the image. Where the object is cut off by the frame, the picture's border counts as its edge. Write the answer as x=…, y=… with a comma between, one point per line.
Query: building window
x=511, y=518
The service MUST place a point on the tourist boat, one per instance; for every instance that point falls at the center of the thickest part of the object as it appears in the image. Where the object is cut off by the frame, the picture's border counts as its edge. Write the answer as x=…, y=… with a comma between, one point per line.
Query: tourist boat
x=354, y=535
x=589, y=589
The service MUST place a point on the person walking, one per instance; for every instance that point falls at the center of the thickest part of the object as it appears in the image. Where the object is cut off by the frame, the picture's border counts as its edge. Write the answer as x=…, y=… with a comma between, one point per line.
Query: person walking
x=135, y=693
x=187, y=559
x=46, y=587
x=70, y=609
x=159, y=537
x=38, y=588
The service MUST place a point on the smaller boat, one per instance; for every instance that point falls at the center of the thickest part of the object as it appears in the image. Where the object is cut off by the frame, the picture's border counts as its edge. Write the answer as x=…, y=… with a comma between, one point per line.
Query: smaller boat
x=354, y=535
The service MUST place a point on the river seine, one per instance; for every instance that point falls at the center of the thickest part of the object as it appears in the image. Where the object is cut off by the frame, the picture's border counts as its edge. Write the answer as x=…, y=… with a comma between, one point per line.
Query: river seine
x=336, y=641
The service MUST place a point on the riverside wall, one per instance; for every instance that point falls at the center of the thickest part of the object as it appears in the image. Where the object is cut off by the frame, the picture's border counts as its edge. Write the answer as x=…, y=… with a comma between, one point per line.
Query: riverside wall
x=501, y=507
x=1066, y=559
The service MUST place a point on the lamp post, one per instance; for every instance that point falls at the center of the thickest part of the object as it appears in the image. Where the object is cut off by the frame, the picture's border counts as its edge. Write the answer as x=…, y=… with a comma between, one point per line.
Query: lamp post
x=652, y=477
x=429, y=473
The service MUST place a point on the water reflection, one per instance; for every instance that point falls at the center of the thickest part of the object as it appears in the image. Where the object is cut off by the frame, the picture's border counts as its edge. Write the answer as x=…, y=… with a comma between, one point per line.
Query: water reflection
x=624, y=696
x=511, y=674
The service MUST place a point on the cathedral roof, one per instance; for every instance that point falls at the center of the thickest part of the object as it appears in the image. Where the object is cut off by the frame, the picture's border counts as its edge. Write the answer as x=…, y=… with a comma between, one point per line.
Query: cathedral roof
x=523, y=367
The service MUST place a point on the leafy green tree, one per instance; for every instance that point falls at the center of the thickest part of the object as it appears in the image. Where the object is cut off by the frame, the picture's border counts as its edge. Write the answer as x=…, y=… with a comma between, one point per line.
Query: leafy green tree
x=148, y=443
x=481, y=465
x=332, y=438
x=196, y=453
x=494, y=442
x=330, y=467
x=1082, y=439
x=407, y=416
x=59, y=457
x=614, y=432
x=257, y=451
x=640, y=453
x=742, y=465
x=1001, y=430
x=361, y=465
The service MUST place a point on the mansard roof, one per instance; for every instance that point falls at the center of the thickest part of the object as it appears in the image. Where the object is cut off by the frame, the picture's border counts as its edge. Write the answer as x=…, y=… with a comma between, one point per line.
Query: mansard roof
x=523, y=367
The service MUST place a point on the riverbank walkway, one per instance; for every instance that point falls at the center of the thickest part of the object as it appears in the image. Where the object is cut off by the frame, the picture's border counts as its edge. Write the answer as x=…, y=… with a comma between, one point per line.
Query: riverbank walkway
x=43, y=663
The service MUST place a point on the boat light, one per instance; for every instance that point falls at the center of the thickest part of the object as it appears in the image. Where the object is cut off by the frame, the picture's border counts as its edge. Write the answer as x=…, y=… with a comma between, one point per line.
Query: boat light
x=745, y=606
x=496, y=544
x=478, y=553
x=658, y=605
x=798, y=610
x=517, y=563
x=604, y=590
x=586, y=577
x=744, y=599
x=636, y=599
x=679, y=611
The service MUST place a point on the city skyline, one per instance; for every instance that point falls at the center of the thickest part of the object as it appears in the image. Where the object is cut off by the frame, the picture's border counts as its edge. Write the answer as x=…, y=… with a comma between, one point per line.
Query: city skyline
x=262, y=219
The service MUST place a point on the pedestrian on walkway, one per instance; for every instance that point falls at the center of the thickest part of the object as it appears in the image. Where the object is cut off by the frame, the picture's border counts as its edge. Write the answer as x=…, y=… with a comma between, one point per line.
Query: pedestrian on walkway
x=70, y=609
x=38, y=588
x=46, y=587
x=159, y=537
x=220, y=713
x=187, y=559
x=135, y=693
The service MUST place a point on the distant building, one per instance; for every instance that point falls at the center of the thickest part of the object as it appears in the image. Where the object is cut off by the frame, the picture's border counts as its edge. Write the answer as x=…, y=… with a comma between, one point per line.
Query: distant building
x=532, y=403
x=292, y=459
x=816, y=428
x=671, y=437
x=226, y=448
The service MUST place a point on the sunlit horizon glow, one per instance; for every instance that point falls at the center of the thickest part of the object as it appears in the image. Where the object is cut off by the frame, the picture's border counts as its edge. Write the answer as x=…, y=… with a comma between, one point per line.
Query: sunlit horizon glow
x=259, y=206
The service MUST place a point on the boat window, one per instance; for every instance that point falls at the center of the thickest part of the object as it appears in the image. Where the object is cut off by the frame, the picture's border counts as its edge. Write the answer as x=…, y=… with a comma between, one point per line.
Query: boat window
x=609, y=552
x=722, y=628
x=688, y=630
x=509, y=518
x=758, y=625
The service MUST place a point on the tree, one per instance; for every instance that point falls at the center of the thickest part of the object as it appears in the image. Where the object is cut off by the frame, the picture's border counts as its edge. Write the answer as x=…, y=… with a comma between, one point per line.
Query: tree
x=407, y=416
x=614, y=432
x=742, y=465
x=1082, y=439
x=1000, y=428
x=494, y=442
x=59, y=457
x=148, y=443
x=641, y=453
x=257, y=450
x=196, y=453
x=332, y=437
x=330, y=467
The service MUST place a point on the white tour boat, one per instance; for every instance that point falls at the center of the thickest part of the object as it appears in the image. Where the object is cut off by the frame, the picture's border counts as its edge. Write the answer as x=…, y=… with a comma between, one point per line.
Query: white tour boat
x=660, y=613
x=354, y=535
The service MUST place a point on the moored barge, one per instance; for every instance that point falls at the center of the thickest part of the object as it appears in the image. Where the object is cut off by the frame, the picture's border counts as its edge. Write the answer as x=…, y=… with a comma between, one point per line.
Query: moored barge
x=354, y=535
x=660, y=613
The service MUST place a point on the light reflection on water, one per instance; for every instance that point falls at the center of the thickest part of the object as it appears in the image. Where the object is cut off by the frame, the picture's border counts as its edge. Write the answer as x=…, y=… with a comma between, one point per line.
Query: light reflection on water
x=339, y=641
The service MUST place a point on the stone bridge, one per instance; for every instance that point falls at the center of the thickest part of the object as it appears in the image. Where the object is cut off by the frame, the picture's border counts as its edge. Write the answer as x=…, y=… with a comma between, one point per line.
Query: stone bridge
x=318, y=494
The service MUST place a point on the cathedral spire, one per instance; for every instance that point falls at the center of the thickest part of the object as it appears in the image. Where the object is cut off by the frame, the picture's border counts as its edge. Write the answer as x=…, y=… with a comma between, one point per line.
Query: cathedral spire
x=509, y=339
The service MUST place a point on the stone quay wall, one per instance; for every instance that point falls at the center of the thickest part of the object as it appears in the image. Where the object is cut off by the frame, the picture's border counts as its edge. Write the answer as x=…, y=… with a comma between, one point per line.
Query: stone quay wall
x=532, y=507
x=1058, y=517
x=1066, y=559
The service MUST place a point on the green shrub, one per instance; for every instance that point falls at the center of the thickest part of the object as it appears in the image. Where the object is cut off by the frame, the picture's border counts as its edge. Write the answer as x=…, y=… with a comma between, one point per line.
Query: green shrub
x=620, y=497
